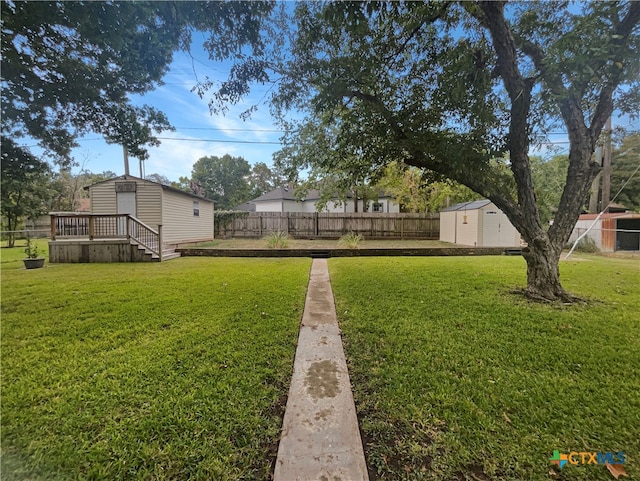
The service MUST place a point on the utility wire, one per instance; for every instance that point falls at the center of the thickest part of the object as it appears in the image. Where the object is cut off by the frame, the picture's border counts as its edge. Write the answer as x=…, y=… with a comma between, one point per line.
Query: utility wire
x=222, y=141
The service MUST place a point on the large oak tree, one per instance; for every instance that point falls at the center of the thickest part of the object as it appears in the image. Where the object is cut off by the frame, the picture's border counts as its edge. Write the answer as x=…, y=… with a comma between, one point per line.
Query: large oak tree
x=462, y=90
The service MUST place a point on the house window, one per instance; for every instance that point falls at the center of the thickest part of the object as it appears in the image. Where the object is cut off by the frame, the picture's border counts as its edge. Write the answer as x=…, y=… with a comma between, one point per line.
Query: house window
x=196, y=208
x=377, y=207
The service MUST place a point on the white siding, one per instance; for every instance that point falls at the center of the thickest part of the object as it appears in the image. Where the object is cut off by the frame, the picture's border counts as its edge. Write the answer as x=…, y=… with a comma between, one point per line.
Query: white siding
x=448, y=226
x=269, y=206
x=467, y=233
x=149, y=203
x=179, y=224
x=338, y=206
x=103, y=198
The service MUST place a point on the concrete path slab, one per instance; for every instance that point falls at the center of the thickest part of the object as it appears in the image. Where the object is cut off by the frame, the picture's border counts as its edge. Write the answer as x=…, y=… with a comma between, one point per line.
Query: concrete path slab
x=320, y=437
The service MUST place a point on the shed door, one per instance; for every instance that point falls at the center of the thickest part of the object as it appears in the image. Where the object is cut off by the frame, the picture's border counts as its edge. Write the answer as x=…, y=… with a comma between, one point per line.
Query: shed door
x=497, y=230
x=126, y=205
x=490, y=228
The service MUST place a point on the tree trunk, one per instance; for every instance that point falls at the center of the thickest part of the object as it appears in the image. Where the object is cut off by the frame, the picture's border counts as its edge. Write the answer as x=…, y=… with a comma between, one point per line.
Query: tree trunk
x=543, y=273
x=12, y=225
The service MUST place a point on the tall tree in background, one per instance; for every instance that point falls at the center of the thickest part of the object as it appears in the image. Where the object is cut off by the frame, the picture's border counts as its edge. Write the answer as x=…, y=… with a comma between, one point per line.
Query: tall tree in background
x=68, y=68
x=263, y=179
x=25, y=187
x=223, y=179
x=624, y=169
x=453, y=87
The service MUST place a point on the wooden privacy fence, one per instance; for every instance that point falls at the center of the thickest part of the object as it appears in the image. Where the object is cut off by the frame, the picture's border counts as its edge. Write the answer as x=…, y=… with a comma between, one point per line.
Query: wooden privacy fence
x=332, y=225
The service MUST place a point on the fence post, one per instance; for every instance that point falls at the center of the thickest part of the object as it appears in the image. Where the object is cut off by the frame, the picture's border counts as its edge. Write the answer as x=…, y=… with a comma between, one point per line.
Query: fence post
x=92, y=231
x=160, y=249
x=53, y=227
x=402, y=227
x=315, y=224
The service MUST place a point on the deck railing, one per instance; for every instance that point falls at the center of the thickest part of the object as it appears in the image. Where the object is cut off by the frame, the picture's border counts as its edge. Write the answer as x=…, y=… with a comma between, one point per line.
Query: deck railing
x=106, y=226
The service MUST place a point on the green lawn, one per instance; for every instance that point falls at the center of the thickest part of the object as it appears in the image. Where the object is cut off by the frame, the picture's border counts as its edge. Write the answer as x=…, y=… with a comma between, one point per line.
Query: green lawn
x=455, y=378
x=176, y=370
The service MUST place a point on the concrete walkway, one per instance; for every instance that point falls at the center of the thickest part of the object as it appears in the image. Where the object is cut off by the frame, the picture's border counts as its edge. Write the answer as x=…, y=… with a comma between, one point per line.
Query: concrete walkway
x=320, y=437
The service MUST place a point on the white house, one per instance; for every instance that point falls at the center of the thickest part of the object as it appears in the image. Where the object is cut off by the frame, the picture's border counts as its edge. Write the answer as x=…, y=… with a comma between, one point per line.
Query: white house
x=184, y=217
x=479, y=223
x=283, y=199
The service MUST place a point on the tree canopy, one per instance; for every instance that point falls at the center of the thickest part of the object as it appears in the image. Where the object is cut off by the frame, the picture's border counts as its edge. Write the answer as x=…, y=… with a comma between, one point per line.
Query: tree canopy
x=25, y=187
x=230, y=180
x=625, y=176
x=68, y=68
x=223, y=179
x=462, y=90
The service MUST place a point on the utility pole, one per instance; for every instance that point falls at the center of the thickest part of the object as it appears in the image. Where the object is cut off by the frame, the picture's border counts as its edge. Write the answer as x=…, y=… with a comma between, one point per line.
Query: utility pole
x=601, y=194
x=126, y=159
x=594, y=196
x=606, y=166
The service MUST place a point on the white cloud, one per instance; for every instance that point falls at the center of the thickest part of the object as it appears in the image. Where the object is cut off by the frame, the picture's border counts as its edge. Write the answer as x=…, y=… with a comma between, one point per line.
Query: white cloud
x=175, y=158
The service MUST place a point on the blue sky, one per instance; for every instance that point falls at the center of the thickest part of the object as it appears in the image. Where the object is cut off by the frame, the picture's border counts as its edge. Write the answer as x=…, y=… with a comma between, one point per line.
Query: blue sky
x=198, y=133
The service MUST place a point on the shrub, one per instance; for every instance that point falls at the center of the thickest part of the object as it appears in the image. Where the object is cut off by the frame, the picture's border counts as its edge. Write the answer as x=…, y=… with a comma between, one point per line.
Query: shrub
x=587, y=244
x=350, y=240
x=32, y=250
x=277, y=240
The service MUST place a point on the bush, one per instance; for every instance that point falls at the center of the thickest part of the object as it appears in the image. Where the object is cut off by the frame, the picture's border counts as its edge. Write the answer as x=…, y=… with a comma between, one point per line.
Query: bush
x=587, y=245
x=277, y=240
x=350, y=240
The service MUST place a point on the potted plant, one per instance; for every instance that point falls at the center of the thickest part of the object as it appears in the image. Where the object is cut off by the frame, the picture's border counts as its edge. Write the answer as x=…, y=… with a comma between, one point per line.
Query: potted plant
x=32, y=261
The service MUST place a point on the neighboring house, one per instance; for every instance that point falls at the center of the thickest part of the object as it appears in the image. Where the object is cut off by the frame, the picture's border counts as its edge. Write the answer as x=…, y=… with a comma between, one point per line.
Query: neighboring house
x=246, y=207
x=184, y=217
x=611, y=232
x=283, y=199
x=479, y=223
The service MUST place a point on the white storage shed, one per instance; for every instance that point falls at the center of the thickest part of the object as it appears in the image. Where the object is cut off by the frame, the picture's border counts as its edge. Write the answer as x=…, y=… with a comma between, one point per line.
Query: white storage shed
x=479, y=223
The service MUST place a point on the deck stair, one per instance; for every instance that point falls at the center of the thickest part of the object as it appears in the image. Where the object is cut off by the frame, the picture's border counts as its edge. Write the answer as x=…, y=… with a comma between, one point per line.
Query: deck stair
x=145, y=255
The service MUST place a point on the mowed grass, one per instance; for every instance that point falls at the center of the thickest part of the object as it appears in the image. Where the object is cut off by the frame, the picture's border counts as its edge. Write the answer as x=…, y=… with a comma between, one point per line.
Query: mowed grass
x=456, y=378
x=176, y=370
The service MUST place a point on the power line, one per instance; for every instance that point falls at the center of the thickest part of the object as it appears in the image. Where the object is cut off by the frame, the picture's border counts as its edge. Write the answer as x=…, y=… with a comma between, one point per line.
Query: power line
x=230, y=130
x=221, y=141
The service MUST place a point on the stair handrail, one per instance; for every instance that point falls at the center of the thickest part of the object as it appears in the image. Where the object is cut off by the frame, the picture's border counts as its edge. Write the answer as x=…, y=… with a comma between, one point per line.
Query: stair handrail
x=145, y=236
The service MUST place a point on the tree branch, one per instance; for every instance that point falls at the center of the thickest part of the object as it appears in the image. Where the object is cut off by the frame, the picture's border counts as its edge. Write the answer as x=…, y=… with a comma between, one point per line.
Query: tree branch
x=519, y=90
